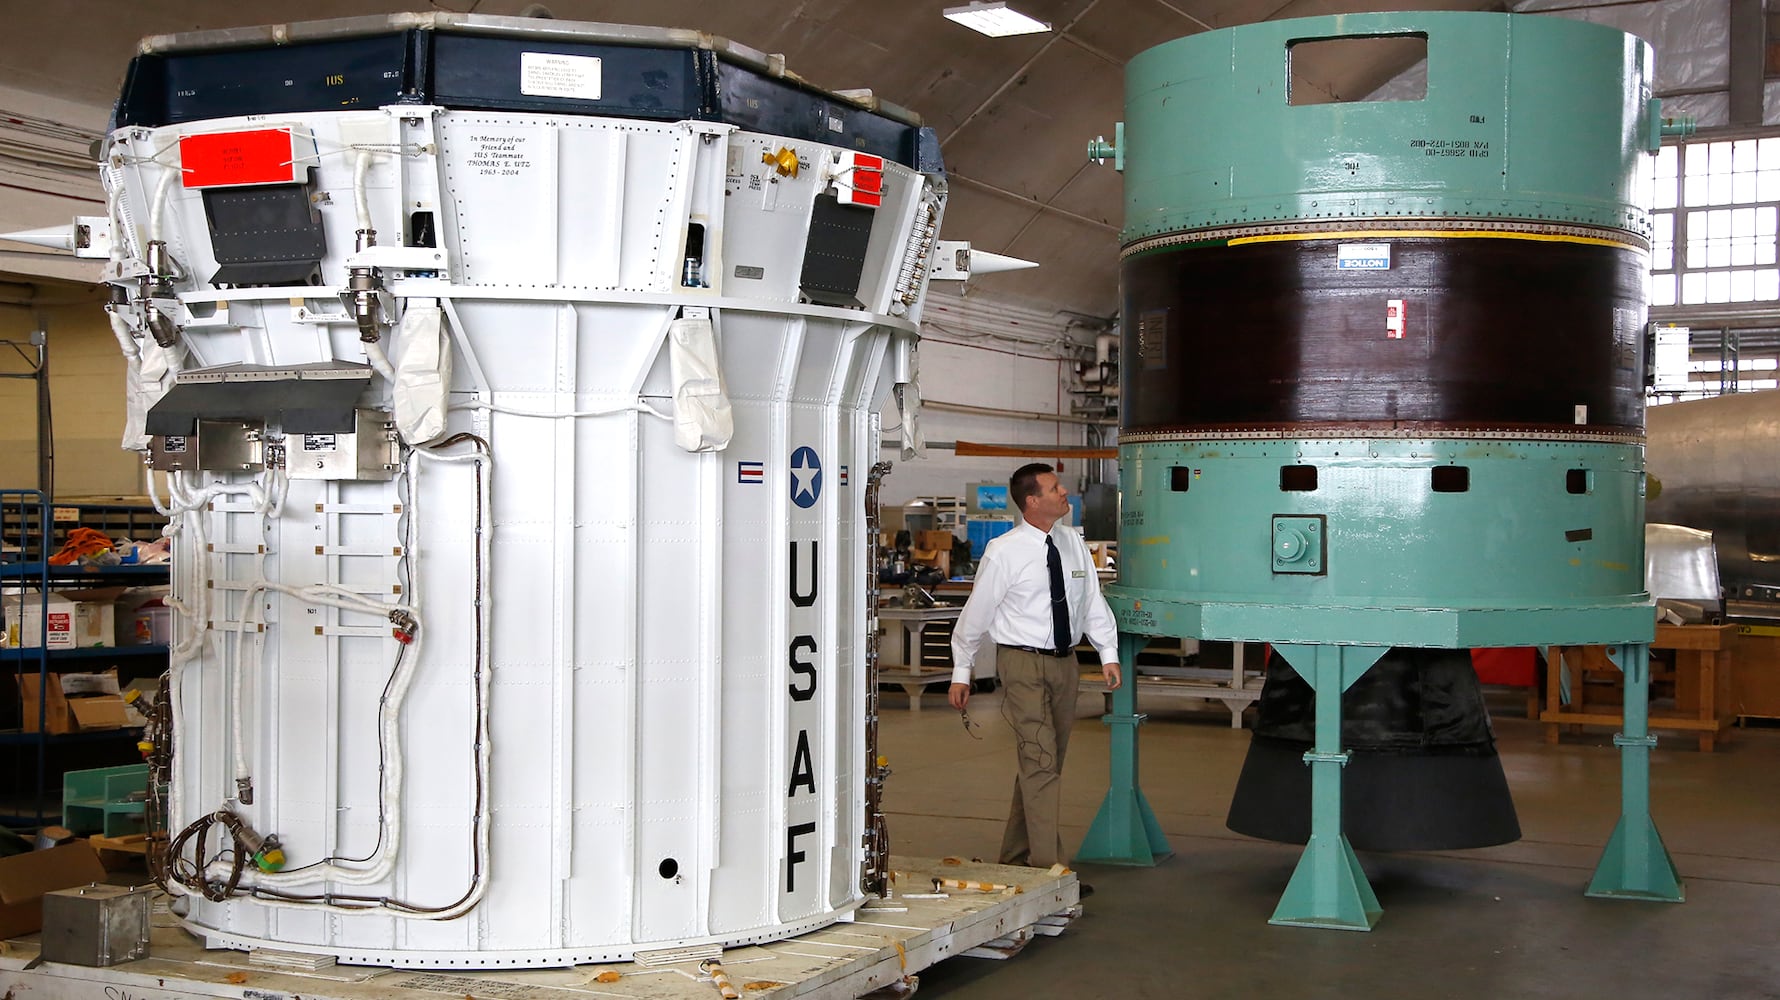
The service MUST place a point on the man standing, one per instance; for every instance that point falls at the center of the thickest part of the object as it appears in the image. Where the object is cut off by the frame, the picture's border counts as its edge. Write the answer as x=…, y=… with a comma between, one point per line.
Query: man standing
x=1035, y=596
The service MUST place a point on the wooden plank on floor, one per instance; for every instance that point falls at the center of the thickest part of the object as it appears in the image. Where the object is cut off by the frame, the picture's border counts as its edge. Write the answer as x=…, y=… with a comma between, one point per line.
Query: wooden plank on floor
x=886, y=941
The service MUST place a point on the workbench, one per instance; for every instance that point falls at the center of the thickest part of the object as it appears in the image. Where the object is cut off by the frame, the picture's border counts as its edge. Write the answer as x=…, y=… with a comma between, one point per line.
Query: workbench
x=909, y=672
x=1703, y=679
x=1235, y=687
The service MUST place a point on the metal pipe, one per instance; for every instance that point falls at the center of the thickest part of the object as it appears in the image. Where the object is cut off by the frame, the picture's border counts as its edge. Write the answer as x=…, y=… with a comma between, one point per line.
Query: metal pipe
x=1030, y=202
x=990, y=411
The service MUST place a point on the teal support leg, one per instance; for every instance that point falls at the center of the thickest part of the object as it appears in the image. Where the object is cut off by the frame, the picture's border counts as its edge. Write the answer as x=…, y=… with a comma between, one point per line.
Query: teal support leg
x=1635, y=864
x=1125, y=831
x=1328, y=888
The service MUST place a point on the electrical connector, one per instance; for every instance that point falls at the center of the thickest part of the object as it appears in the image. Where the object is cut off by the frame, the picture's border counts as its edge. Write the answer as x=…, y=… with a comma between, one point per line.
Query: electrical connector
x=270, y=856
x=404, y=626
x=267, y=852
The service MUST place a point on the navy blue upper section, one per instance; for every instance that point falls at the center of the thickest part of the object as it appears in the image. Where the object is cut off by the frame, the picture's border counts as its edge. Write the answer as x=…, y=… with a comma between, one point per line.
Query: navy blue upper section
x=421, y=66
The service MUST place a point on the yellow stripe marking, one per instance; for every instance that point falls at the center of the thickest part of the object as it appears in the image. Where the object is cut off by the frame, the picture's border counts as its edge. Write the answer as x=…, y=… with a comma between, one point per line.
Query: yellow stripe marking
x=1457, y=234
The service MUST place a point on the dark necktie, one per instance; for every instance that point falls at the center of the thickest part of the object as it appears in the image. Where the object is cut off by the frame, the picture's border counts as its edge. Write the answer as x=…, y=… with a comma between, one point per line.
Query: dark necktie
x=1063, y=641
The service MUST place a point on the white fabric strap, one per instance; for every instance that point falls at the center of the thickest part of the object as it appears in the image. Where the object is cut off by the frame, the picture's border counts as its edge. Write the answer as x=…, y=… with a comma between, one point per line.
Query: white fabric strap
x=702, y=417
x=423, y=373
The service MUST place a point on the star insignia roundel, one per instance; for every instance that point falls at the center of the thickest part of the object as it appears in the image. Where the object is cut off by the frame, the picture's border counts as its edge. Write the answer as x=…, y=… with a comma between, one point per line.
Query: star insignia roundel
x=806, y=477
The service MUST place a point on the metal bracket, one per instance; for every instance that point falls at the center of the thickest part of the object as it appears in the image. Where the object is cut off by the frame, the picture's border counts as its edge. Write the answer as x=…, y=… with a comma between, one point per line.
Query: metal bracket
x=400, y=258
x=1313, y=757
x=1622, y=740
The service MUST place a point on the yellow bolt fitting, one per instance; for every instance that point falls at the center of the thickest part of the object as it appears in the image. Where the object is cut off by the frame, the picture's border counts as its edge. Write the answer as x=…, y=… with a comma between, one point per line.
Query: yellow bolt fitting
x=784, y=161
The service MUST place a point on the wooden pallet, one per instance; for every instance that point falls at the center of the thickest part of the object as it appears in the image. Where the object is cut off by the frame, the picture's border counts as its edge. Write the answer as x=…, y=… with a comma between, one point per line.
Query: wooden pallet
x=136, y=843
x=880, y=951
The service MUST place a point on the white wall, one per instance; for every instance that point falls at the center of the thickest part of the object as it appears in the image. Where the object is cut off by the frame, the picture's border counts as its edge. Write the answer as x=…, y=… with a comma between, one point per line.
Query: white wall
x=980, y=351
x=978, y=376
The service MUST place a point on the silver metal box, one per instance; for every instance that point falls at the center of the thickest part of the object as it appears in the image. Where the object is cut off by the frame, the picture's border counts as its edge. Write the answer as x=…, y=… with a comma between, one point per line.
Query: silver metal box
x=217, y=446
x=173, y=452
x=369, y=452
x=231, y=445
x=95, y=925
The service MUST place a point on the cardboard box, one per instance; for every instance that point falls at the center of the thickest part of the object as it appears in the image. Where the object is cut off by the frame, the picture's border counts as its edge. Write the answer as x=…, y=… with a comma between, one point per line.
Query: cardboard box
x=934, y=540
x=941, y=558
x=76, y=703
x=75, y=620
x=25, y=878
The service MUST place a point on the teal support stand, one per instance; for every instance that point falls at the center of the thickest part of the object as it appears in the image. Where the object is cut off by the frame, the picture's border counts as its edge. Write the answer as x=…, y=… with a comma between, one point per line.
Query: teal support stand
x=1635, y=864
x=1328, y=889
x=1125, y=831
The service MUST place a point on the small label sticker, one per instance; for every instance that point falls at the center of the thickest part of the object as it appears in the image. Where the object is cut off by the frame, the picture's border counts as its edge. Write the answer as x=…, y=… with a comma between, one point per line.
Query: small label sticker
x=318, y=442
x=1582, y=413
x=173, y=444
x=747, y=271
x=1363, y=257
x=551, y=74
x=836, y=125
x=1393, y=319
x=64, y=514
x=1152, y=339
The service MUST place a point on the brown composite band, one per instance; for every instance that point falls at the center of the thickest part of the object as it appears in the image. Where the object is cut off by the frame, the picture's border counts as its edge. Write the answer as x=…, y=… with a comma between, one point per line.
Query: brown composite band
x=1515, y=334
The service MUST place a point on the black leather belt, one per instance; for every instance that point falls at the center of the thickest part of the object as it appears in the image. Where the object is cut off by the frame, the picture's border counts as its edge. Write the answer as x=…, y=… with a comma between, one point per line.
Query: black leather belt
x=1034, y=649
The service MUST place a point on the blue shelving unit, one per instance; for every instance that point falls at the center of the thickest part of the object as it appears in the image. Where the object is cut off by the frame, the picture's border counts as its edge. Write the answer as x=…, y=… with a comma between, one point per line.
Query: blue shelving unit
x=29, y=535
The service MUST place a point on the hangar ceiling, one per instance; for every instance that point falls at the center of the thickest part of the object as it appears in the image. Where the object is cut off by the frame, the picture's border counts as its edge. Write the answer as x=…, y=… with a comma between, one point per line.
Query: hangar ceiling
x=1014, y=115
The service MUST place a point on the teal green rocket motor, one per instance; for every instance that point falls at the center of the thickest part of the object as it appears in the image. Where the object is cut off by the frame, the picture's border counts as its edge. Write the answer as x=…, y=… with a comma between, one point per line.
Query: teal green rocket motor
x=1382, y=382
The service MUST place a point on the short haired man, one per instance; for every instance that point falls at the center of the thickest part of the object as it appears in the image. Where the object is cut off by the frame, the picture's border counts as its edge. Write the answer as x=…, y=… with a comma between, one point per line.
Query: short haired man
x=1035, y=596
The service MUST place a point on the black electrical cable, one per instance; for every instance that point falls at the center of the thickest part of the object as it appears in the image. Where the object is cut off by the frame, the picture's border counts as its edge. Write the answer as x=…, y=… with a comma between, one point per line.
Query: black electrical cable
x=363, y=902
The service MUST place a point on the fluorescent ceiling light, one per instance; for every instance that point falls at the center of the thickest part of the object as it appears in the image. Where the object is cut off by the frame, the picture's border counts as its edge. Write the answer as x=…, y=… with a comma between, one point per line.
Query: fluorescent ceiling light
x=995, y=19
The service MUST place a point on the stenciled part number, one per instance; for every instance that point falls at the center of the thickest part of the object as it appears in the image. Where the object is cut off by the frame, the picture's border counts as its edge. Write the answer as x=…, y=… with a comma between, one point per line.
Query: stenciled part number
x=1475, y=148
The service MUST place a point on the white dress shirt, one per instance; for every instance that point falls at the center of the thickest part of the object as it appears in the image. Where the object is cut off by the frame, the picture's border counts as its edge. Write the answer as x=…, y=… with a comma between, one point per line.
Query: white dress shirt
x=1010, y=601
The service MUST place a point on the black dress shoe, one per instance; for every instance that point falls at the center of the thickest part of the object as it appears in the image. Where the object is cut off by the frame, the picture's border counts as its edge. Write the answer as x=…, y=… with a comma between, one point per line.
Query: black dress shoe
x=1083, y=890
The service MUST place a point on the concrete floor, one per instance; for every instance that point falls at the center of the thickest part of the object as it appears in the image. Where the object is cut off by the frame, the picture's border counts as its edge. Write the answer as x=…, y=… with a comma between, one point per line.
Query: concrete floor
x=1504, y=922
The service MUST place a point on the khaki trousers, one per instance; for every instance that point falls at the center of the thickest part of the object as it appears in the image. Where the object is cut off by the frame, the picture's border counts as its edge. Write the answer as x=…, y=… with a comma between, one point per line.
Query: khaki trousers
x=1038, y=701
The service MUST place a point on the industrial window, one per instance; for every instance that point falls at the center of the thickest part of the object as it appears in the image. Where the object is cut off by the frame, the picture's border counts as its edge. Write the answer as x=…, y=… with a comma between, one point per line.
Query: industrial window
x=1716, y=218
x=1355, y=68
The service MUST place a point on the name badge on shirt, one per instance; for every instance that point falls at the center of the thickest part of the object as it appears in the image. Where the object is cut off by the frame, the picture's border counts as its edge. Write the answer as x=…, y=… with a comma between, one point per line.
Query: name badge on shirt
x=1078, y=574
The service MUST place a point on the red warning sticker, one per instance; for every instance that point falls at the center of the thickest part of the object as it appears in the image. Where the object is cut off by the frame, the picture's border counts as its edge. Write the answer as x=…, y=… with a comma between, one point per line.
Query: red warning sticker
x=1394, y=320
x=223, y=159
x=861, y=181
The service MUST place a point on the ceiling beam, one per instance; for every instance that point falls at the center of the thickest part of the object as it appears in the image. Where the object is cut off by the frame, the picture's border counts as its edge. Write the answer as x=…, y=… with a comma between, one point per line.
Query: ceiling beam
x=1031, y=202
